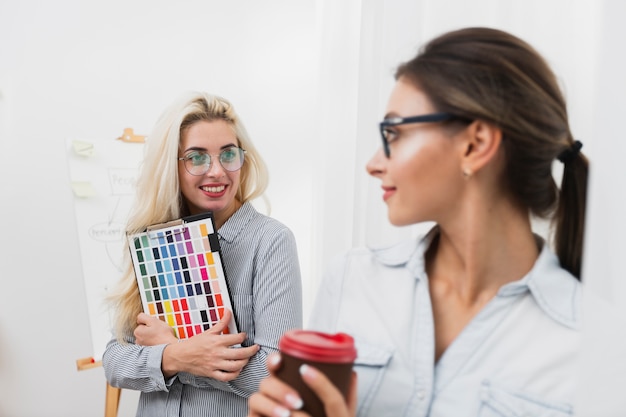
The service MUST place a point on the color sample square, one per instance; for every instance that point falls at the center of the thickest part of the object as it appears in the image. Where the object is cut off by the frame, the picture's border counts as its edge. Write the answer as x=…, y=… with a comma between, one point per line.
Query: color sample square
x=180, y=274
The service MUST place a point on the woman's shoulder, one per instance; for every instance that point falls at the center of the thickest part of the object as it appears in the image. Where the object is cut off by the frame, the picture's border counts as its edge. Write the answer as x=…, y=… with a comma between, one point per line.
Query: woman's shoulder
x=247, y=225
x=401, y=259
x=263, y=222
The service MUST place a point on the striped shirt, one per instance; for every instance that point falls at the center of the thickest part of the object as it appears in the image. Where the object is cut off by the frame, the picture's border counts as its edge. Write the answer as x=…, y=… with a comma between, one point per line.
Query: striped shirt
x=261, y=261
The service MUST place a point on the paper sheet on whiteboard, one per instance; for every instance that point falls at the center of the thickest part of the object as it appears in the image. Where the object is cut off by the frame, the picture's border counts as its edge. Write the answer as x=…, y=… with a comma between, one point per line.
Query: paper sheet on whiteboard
x=102, y=177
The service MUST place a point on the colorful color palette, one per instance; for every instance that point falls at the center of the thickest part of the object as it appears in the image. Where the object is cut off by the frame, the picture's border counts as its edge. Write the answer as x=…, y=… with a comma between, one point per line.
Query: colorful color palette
x=180, y=275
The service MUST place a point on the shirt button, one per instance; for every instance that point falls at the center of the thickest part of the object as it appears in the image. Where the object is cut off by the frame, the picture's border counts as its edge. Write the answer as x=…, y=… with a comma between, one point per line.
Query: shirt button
x=421, y=394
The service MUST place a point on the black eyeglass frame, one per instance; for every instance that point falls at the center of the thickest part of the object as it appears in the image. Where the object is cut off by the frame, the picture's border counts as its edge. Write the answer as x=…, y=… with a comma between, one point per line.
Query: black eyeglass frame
x=242, y=152
x=424, y=118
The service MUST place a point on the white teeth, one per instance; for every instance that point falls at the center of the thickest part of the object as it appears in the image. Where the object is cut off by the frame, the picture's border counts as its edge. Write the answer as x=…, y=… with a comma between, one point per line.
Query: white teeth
x=214, y=189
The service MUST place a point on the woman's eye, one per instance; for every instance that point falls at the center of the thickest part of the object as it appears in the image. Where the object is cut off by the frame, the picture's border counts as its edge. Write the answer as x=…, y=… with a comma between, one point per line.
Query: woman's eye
x=229, y=154
x=390, y=135
x=198, y=158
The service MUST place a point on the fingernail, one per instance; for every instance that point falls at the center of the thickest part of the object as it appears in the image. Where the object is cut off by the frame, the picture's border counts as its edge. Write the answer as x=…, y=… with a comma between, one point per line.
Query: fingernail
x=294, y=401
x=281, y=412
x=305, y=370
x=274, y=360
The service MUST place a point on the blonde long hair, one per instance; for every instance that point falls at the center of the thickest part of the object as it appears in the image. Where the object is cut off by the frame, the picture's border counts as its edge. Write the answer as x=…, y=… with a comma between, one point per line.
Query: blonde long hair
x=158, y=198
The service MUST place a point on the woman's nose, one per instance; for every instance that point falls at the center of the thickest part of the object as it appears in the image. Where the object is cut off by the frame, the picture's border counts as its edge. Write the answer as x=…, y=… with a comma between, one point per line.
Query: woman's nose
x=376, y=165
x=215, y=169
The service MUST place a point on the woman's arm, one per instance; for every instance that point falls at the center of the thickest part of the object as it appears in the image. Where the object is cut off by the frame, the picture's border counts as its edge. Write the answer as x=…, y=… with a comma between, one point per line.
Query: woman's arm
x=209, y=354
x=157, y=355
x=127, y=365
x=276, y=304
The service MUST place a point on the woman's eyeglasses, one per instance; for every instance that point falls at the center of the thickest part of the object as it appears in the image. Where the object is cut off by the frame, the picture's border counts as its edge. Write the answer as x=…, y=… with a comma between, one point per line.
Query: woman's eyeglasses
x=387, y=134
x=199, y=163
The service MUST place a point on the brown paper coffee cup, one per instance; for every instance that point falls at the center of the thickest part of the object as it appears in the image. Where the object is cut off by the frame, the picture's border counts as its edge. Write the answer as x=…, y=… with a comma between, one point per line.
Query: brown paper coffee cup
x=331, y=354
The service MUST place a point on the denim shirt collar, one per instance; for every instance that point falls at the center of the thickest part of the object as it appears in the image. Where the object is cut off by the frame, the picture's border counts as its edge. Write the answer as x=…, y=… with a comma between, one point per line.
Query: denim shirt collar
x=409, y=254
x=556, y=291
x=237, y=222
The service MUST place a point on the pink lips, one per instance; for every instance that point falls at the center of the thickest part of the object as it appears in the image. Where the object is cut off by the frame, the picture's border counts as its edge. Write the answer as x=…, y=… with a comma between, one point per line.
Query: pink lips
x=388, y=192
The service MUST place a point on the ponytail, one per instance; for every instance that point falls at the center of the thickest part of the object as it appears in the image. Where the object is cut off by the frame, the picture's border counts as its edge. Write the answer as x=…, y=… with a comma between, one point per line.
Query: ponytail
x=570, y=213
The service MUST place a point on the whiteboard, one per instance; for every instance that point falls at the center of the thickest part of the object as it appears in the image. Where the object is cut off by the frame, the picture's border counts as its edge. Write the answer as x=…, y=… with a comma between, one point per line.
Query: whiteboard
x=102, y=176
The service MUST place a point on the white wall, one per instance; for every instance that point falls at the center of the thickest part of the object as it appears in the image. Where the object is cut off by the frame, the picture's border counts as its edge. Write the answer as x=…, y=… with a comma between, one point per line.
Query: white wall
x=603, y=365
x=72, y=69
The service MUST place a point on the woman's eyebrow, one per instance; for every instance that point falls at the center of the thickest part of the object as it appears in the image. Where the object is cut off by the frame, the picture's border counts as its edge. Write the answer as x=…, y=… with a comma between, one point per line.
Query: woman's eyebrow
x=194, y=148
x=200, y=148
x=391, y=115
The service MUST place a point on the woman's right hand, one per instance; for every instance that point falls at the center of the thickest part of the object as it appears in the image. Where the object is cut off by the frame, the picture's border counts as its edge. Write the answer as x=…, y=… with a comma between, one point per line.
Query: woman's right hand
x=209, y=354
x=277, y=399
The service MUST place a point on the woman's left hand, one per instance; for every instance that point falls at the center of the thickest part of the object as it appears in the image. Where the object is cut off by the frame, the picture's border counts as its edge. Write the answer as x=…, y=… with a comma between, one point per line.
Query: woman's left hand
x=151, y=331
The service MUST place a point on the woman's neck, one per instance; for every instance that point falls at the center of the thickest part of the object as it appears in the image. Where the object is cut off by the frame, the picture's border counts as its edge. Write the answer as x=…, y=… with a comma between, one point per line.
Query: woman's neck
x=471, y=258
x=485, y=248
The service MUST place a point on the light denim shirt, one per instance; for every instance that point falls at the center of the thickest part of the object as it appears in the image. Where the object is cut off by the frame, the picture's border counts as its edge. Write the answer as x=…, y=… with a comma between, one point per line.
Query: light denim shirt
x=517, y=356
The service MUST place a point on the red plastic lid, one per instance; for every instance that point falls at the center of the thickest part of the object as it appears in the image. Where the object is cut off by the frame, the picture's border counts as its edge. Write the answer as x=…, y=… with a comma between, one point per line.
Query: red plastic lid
x=318, y=346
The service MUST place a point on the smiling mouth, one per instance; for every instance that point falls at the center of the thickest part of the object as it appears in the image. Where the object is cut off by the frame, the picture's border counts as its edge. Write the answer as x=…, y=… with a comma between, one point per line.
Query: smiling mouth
x=218, y=189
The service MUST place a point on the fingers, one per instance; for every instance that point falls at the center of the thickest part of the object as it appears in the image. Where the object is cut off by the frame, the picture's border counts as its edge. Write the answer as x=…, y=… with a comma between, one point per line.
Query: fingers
x=222, y=325
x=233, y=360
x=225, y=375
x=233, y=354
x=212, y=340
x=352, y=394
x=151, y=331
x=143, y=318
x=274, y=398
x=274, y=362
x=334, y=403
x=275, y=388
x=260, y=405
x=229, y=339
x=231, y=366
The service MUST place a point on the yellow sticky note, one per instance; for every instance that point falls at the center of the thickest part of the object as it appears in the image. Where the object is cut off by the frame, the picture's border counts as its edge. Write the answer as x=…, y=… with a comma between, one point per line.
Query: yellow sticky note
x=83, y=189
x=83, y=148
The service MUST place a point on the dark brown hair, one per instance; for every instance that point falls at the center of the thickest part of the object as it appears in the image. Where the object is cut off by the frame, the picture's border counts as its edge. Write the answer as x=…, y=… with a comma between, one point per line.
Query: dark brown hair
x=491, y=75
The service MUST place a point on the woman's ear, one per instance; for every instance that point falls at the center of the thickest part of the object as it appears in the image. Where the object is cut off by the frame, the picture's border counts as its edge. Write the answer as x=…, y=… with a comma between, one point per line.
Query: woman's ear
x=480, y=146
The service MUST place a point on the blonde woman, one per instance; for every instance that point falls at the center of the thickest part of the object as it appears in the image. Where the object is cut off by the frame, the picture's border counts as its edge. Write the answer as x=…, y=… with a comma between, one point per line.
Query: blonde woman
x=199, y=158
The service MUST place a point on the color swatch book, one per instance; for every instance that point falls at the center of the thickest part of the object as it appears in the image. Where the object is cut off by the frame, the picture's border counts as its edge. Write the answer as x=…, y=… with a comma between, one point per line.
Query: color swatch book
x=180, y=274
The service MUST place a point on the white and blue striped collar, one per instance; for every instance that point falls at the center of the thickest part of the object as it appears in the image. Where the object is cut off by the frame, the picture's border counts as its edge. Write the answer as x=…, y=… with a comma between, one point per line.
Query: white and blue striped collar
x=237, y=222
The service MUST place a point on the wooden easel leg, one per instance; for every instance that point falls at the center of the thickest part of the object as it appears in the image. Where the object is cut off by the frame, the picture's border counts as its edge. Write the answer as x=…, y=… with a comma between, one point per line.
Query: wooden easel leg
x=112, y=401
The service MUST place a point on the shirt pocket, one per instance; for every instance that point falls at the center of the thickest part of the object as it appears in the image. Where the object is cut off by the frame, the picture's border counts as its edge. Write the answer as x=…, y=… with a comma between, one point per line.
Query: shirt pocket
x=370, y=365
x=498, y=402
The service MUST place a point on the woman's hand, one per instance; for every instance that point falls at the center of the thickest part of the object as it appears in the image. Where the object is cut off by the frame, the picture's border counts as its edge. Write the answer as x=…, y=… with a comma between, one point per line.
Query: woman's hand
x=151, y=331
x=208, y=354
x=277, y=399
